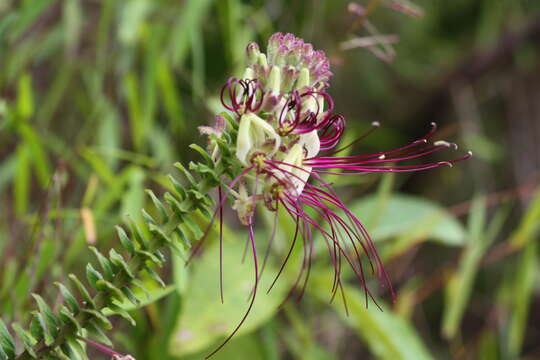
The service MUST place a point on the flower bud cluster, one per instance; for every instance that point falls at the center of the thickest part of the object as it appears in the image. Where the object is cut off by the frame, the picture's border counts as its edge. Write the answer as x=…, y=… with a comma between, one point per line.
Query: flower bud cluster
x=284, y=116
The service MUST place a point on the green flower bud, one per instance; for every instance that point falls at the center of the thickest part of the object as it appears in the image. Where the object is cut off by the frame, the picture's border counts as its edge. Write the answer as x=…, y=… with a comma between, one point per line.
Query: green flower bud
x=303, y=79
x=274, y=80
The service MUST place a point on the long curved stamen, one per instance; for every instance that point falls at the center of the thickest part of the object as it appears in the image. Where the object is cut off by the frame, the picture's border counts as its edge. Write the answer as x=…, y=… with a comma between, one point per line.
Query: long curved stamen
x=252, y=301
x=250, y=99
x=362, y=234
x=358, y=169
x=220, y=205
x=220, y=199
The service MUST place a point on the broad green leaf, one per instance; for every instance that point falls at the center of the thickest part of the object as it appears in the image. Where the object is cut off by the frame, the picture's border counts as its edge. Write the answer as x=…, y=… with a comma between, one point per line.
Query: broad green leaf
x=401, y=214
x=246, y=347
x=387, y=335
x=204, y=320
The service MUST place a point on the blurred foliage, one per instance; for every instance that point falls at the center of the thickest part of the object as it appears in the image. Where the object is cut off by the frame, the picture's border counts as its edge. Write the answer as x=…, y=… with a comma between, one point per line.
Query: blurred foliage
x=99, y=98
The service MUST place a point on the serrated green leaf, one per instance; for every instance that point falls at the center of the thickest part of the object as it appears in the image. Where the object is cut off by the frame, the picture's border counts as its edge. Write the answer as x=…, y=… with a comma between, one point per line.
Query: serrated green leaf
x=186, y=173
x=28, y=341
x=178, y=187
x=69, y=299
x=159, y=205
x=75, y=349
x=104, y=263
x=125, y=240
x=157, y=231
x=128, y=293
x=67, y=317
x=7, y=343
x=3, y=355
x=137, y=233
x=42, y=329
x=148, y=256
x=99, y=318
x=82, y=290
x=120, y=263
x=147, y=217
x=115, y=309
x=97, y=333
x=154, y=275
x=93, y=276
x=109, y=288
x=50, y=318
x=194, y=228
x=203, y=153
x=177, y=207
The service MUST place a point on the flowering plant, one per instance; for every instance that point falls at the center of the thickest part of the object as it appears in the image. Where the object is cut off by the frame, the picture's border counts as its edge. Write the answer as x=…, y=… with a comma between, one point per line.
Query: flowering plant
x=272, y=146
x=286, y=135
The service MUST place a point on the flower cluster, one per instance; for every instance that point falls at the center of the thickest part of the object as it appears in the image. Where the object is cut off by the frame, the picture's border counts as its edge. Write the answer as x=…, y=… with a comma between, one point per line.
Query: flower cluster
x=286, y=137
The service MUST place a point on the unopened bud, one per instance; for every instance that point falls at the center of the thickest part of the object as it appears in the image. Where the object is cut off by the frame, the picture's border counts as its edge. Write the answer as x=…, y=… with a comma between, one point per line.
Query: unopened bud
x=261, y=60
x=249, y=74
x=253, y=53
x=274, y=80
x=303, y=79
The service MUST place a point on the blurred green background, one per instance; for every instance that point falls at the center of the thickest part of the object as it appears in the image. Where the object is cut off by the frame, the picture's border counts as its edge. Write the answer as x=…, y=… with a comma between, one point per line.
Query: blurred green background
x=99, y=98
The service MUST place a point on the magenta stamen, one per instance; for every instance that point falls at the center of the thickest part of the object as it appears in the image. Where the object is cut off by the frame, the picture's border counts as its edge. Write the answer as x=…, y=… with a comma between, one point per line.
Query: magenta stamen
x=220, y=199
x=252, y=301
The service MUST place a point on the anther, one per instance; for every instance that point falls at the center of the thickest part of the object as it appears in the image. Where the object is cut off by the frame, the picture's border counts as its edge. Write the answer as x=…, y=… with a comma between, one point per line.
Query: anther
x=447, y=163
